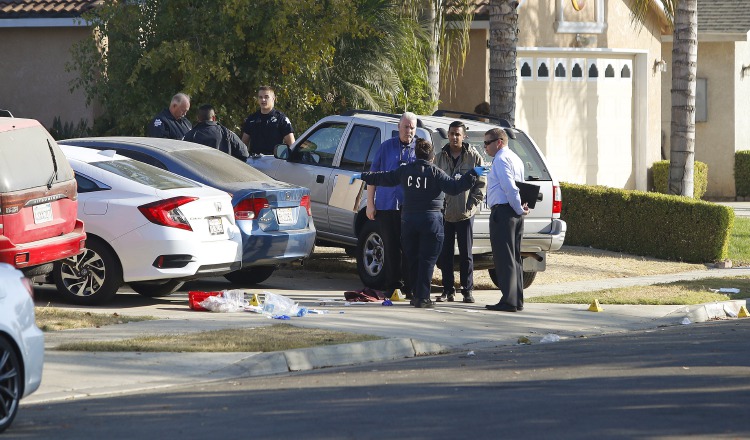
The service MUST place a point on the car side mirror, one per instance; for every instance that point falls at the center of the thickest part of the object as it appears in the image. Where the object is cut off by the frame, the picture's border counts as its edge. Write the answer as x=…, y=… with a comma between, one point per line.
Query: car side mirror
x=281, y=151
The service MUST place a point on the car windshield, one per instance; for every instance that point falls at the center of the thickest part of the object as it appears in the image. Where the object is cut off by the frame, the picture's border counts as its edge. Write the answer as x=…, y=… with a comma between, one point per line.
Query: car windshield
x=221, y=167
x=533, y=165
x=145, y=174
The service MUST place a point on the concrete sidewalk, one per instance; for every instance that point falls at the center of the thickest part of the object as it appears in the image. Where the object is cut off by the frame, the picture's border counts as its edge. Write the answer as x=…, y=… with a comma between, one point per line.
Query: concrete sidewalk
x=407, y=331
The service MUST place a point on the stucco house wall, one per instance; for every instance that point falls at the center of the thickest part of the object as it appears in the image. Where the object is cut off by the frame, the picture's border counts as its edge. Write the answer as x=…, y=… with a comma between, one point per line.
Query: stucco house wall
x=608, y=32
x=34, y=82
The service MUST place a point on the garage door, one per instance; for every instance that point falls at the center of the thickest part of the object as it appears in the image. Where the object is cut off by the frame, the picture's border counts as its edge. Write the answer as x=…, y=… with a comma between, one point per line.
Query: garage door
x=580, y=112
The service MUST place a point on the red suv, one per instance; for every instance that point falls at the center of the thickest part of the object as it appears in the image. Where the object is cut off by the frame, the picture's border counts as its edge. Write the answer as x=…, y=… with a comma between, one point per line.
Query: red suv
x=38, y=199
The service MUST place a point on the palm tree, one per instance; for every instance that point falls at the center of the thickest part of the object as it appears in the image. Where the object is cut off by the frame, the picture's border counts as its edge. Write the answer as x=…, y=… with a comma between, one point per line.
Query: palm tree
x=683, y=16
x=503, y=42
x=447, y=23
x=368, y=65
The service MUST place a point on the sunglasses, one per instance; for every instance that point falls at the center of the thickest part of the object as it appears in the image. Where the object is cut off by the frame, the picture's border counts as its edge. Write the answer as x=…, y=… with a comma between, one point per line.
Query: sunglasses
x=489, y=142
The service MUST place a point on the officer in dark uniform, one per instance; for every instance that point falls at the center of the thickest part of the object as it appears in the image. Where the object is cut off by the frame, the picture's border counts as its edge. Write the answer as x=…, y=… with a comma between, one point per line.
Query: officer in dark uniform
x=171, y=123
x=210, y=133
x=421, y=218
x=267, y=127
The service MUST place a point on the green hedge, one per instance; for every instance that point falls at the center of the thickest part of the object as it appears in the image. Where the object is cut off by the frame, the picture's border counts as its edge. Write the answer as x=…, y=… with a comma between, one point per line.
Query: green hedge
x=742, y=173
x=648, y=224
x=700, y=177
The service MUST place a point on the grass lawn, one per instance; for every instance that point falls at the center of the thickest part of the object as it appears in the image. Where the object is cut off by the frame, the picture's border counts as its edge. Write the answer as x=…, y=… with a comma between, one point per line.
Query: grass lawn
x=679, y=293
x=739, y=242
x=267, y=338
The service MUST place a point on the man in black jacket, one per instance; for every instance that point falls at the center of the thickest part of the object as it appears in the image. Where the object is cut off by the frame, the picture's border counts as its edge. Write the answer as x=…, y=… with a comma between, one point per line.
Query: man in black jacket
x=171, y=123
x=210, y=133
x=421, y=218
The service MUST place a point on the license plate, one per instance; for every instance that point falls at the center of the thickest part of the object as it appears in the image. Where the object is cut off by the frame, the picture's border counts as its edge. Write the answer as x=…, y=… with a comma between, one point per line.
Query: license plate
x=215, y=226
x=285, y=216
x=42, y=213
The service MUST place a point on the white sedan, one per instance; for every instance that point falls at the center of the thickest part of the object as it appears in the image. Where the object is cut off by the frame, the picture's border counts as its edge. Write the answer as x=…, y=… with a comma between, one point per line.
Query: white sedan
x=21, y=343
x=146, y=227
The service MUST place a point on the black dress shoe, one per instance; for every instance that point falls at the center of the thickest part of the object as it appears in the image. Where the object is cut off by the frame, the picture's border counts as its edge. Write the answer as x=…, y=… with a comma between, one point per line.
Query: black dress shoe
x=445, y=297
x=501, y=307
x=468, y=298
x=424, y=304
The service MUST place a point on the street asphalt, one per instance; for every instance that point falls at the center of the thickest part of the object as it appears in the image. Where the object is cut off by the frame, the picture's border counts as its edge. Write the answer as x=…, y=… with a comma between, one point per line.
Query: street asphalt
x=406, y=331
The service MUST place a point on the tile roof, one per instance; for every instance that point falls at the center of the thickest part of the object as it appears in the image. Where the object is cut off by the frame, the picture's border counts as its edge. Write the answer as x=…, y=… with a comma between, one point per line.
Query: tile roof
x=45, y=8
x=724, y=16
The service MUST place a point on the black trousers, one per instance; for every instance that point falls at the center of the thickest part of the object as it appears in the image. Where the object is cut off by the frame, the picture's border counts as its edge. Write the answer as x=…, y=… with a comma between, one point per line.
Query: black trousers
x=422, y=238
x=506, y=231
x=464, y=230
x=395, y=260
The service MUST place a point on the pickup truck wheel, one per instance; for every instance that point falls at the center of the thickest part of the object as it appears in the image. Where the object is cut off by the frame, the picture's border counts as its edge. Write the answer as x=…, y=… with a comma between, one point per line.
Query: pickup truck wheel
x=528, y=277
x=371, y=256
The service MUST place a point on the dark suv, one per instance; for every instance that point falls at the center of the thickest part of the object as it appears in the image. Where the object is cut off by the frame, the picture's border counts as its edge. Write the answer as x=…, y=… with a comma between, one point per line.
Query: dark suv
x=38, y=199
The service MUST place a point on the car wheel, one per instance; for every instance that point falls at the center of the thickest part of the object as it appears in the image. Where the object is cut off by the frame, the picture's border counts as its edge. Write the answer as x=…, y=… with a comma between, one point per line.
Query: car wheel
x=11, y=375
x=371, y=256
x=91, y=277
x=251, y=275
x=528, y=278
x=156, y=288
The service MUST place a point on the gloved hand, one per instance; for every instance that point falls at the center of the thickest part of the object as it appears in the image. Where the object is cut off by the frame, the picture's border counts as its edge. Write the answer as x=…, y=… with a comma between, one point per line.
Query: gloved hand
x=354, y=177
x=481, y=170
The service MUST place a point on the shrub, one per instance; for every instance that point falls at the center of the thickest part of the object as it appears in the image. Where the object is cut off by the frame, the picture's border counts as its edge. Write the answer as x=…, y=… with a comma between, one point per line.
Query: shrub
x=742, y=173
x=648, y=224
x=700, y=178
x=61, y=131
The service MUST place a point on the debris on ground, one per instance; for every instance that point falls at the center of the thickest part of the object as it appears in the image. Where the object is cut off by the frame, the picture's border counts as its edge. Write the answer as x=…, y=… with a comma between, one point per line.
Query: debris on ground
x=550, y=337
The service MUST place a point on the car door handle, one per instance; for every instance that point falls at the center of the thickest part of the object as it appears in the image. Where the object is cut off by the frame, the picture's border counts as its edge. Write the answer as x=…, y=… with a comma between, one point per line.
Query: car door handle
x=540, y=196
x=320, y=178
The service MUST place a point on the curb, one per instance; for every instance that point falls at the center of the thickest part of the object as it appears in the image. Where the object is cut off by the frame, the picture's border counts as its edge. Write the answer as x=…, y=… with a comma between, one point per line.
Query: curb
x=248, y=365
x=709, y=311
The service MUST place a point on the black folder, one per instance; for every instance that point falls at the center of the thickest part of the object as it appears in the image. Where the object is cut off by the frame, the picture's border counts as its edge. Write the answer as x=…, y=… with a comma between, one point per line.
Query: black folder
x=529, y=193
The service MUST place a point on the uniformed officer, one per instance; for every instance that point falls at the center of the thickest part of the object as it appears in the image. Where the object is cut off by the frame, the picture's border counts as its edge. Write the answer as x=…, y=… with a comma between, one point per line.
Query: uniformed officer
x=171, y=123
x=421, y=218
x=267, y=127
x=210, y=133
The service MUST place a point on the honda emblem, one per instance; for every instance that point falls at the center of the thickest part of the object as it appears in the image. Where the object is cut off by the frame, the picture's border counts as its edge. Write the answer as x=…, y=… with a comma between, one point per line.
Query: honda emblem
x=217, y=205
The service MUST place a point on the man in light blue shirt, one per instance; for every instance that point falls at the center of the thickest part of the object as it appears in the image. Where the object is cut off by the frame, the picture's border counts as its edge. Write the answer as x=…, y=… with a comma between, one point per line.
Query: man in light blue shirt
x=384, y=203
x=506, y=219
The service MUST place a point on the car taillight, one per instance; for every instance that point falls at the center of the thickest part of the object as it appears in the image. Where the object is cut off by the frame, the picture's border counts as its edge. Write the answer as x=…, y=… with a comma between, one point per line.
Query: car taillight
x=167, y=212
x=28, y=285
x=249, y=209
x=556, y=200
x=306, y=203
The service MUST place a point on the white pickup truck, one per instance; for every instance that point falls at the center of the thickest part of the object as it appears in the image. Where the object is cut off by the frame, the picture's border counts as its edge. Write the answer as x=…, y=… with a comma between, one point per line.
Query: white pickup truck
x=342, y=145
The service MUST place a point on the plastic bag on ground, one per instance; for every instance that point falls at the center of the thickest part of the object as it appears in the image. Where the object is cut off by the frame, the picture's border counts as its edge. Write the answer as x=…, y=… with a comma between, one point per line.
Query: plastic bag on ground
x=274, y=304
x=228, y=301
x=550, y=337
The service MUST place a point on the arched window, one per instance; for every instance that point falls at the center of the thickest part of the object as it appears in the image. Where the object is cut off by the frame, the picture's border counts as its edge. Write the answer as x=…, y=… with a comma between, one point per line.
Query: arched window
x=625, y=72
x=543, y=71
x=593, y=71
x=526, y=70
x=577, y=71
x=560, y=71
x=609, y=72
